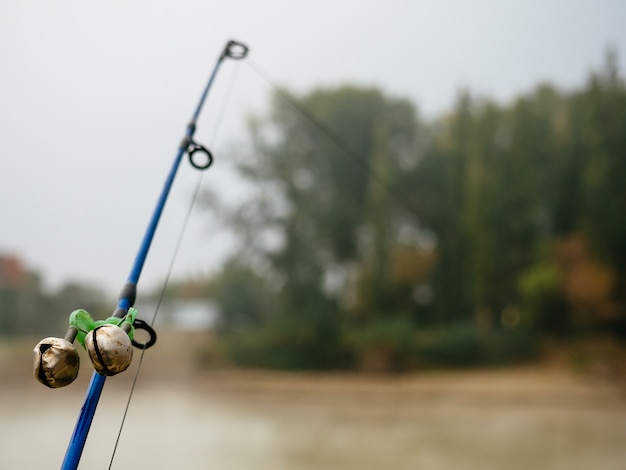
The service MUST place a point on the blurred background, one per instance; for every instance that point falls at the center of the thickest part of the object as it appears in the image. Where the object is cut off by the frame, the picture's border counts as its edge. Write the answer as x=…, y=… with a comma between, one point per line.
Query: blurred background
x=409, y=252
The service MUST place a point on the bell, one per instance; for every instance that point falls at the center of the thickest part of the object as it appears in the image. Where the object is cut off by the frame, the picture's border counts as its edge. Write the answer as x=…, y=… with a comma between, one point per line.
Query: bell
x=56, y=362
x=109, y=348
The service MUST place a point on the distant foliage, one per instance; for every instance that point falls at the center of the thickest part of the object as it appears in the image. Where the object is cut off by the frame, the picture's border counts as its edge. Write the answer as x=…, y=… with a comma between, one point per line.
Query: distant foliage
x=27, y=308
x=456, y=241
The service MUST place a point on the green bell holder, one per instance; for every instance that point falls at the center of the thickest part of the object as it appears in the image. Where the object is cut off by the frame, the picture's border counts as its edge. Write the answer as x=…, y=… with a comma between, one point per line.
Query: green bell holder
x=83, y=323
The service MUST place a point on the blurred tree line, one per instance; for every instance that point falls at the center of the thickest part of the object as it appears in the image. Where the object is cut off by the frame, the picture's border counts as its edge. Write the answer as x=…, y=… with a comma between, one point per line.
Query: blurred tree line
x=27, y=308
x=460, y=240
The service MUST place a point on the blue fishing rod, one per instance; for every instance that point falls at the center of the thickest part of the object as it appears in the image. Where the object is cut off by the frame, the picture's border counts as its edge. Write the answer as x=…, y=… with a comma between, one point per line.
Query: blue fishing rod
x=109, y=342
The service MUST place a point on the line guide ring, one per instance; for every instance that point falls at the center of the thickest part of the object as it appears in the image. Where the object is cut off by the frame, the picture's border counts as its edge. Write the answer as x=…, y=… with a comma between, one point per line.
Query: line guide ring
x=152, y=337
x=235, y=50
x=193, y=149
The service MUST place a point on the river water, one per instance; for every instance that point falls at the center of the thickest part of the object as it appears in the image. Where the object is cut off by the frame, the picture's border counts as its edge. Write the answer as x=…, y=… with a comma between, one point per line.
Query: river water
x=519, y=419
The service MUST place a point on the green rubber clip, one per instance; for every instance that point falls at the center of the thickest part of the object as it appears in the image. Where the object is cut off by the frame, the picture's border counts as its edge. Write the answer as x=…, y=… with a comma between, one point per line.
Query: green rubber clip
x=84, y=323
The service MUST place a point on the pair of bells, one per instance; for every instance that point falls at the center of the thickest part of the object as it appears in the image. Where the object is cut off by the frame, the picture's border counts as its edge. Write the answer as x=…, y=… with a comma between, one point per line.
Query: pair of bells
x=56, y=359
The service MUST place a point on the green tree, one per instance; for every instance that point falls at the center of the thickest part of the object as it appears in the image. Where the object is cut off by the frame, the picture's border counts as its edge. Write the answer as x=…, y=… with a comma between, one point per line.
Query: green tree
x=328, y=212
x=243, y=297
x=604, y=105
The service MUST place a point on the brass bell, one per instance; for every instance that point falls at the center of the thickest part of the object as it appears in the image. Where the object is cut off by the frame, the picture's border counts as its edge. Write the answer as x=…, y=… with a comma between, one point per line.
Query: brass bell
x=56, y=362
x=109, y=348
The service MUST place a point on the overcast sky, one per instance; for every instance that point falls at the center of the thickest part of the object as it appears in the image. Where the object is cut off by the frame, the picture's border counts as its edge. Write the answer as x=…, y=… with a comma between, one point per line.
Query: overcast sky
x=95, y=96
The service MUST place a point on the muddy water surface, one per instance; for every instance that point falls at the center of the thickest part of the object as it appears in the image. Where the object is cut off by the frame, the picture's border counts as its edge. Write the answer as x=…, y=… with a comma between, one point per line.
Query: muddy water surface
x=515, y=419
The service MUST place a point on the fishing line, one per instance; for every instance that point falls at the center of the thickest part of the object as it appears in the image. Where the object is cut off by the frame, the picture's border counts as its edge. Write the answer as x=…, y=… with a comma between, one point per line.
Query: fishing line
x=183, y=230
x=393, y=190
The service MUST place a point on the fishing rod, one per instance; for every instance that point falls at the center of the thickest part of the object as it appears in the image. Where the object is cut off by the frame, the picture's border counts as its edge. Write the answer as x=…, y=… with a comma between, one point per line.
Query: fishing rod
x=109, y=342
